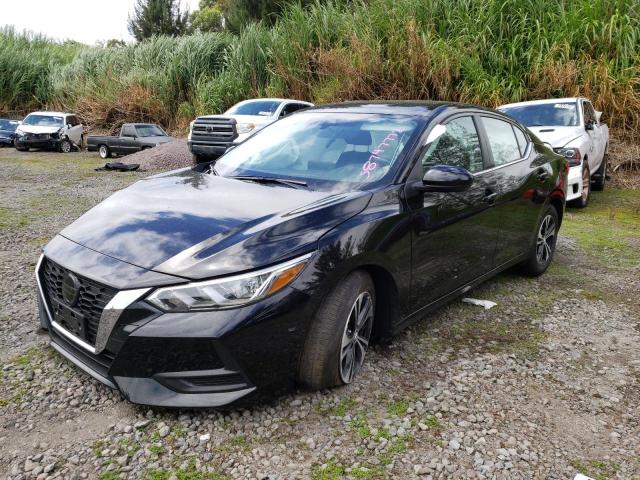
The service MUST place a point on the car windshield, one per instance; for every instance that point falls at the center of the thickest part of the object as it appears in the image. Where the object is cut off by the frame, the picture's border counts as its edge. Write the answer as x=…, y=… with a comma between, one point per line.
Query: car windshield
x=564, y=114
x=8, y=125
x=44, y=120
x=150, y=131
x=265, y=108
x=324, y=149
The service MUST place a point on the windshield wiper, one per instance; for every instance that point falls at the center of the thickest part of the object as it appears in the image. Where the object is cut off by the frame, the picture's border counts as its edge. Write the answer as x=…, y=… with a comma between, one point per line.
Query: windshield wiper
x=282, y=181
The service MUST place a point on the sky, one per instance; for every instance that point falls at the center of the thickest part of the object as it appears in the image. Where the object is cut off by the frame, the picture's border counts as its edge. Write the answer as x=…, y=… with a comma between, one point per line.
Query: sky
x=86, y=21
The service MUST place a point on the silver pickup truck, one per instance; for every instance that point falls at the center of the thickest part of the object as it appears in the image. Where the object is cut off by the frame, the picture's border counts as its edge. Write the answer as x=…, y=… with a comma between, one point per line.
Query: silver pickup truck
x=133, y=138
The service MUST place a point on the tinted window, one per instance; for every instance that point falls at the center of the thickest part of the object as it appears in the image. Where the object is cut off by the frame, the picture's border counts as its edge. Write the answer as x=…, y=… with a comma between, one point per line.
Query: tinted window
x=545, y=114
x=502, y=141
x=292, y=107
x=73, y=120
x=150, y=131
x=129, y=131
x=458, y=146
x=324, y=147
x=264, y=108
x=522, y=140
x=589, y=113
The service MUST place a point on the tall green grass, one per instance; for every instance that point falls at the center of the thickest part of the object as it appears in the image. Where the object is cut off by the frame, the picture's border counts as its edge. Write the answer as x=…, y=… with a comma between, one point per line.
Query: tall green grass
x=481, y=51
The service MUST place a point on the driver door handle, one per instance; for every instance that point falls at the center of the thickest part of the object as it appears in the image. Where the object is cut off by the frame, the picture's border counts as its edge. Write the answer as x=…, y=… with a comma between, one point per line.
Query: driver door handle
x=489, y=196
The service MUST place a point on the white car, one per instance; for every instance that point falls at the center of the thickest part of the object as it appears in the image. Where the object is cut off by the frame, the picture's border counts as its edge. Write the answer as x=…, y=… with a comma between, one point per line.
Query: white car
x=211, y=135
x=51, y=130
x=572, y=127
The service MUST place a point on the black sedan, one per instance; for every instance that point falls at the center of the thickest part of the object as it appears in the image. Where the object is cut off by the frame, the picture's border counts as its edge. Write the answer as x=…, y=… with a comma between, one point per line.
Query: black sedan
x=281, y=262
x=8, y=131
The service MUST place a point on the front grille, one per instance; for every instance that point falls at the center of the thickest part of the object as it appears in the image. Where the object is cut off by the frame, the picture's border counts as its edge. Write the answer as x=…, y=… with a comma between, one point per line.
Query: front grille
x=83, y=317
x=214, y=130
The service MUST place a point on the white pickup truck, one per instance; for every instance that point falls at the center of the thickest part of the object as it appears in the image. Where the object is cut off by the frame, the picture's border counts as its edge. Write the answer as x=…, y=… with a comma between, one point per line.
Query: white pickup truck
x=572, y=127
x=211, y=135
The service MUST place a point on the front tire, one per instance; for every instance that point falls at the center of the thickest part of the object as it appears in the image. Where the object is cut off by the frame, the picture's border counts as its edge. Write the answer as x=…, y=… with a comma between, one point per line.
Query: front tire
x=583, y=201
x=340, y=333
x=544, y=245
x=65, y=145
x=104, y=152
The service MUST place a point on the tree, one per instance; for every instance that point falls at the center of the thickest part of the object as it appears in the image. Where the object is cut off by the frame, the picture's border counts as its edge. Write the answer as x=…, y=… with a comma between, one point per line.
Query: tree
x=158, y=17
x=208, y=17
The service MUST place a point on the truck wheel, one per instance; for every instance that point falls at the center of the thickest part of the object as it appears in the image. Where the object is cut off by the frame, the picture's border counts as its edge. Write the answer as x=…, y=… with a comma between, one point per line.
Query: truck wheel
x=104, y=152
x=199, y=159
x=20, y=149
x=65, y=145
x=583, y=201
x=600, y=177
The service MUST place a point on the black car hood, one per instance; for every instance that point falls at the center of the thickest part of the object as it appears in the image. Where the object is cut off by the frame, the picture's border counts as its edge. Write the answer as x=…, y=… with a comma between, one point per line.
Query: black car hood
x=198, y=225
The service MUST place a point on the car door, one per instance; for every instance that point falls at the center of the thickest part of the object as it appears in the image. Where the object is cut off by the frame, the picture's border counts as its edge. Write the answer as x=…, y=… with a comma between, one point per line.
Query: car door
x=128, y=140
x=597, y=142
x=74, y=131
x=454, y=235
x=523, y=179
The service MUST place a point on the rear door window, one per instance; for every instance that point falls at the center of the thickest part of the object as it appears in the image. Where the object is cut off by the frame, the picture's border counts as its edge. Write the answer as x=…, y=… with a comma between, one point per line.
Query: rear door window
x=502, y=141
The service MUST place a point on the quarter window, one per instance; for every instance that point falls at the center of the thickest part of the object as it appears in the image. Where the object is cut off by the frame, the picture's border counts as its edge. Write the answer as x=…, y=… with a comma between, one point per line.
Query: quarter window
x=522, y=140
x=458, y=146
x=502, y=141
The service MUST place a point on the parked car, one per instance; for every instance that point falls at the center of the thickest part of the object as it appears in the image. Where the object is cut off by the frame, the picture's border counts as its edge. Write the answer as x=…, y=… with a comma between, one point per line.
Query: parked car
x=50, y=130
x=211, y=135
x=133, y=138
x=8, y=131
x=330, y=229
x=573, y=129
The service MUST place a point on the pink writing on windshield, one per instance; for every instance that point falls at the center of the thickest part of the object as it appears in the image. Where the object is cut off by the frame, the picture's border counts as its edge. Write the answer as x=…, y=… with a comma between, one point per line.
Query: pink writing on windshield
x=371, y=164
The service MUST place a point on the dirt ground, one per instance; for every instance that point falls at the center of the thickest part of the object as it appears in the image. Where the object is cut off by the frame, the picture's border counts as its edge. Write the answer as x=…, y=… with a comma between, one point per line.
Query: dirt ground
x=545, y=385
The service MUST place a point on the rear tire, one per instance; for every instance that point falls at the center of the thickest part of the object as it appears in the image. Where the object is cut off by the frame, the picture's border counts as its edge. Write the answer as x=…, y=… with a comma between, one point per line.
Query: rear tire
x=339, y=335
x=104, y=152
x=583, y=201
x=544, y=244
x=601, y=175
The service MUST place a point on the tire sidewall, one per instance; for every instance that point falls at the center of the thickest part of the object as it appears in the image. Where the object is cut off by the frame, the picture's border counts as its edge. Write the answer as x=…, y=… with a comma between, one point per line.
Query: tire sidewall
x=105, y=149
x=64, y=142
x=534, y=266
x=320, y=361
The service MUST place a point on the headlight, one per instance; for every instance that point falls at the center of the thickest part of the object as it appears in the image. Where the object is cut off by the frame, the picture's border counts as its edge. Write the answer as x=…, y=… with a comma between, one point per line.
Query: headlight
x=227, y=292
x=245, y=127
x=19, y=133
x=571, y=154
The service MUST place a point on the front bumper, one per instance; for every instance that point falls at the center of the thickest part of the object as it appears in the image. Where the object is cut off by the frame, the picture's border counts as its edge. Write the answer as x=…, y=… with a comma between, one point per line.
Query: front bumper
x=574, y=183
x=45, y=143
x=212, y=151
x=203, y=359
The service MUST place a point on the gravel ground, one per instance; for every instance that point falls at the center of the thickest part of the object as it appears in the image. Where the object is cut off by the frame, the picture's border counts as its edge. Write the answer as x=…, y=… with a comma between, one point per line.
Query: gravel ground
x=163, y=157
x=544, y=385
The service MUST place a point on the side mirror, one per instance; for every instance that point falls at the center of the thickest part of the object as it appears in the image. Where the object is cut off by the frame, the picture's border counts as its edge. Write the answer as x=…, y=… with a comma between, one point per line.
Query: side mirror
x=590, y=125
x=447, y=178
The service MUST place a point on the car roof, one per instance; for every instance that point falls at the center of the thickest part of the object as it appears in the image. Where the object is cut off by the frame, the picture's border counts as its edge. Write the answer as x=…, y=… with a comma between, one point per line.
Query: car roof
x=396, y=107
x=51, y=114
x=543, y=101
x=281, y=100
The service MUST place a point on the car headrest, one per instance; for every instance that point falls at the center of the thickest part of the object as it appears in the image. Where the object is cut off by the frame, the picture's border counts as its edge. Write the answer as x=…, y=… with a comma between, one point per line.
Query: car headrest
x=357, y=137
